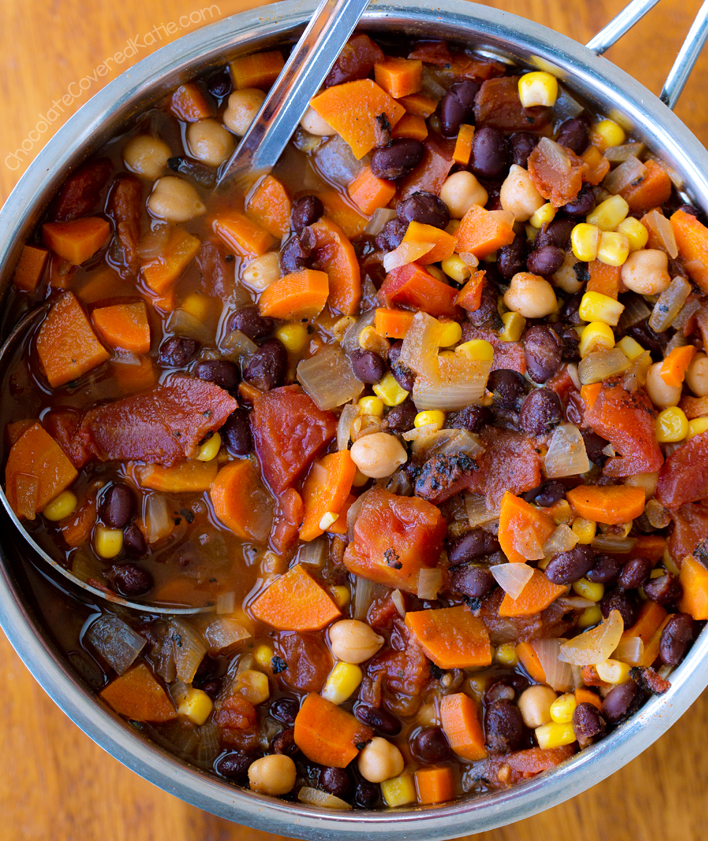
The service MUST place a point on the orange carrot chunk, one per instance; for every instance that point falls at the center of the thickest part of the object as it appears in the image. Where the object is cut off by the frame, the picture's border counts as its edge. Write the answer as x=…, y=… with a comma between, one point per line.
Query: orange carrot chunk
x=604, y=279
x=138, y=696
x=327, y=734
x=411, y=126
x=443, y=243
x=399, y=76
x=124, y=326
x=674, y=367
x=530, y=661
x=650, y=617
x=392, y=324
x=692, y=242
x=269, y=206
x=482, y=232
x=611, y=504
x=188, y=104
x=295, y=602
x=241, y=502
x=259, y=70
x=78, y=240
x=451, y=637
x=66, y=343
x=435, y=785
x=298, y=295
x=463, y=145
x=470, y=296
x=694, y=580
x=341, y=212
x=523, y=529
x=162, y=273
x=335, y=255
x=183, y=477
x=650, y=191
x=30, y=268
x=245, y=237
x=462, y=727
x=587, y=696
x=369, y=192
x=419, y=105
x=536, y=596
x=325, y=491
x=596, y=165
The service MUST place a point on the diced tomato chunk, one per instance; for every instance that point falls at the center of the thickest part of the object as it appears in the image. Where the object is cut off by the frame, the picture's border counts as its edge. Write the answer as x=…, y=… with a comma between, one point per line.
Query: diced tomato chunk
x=413, y=286
x=684, y=476
x=510, y=463
x=690, y=529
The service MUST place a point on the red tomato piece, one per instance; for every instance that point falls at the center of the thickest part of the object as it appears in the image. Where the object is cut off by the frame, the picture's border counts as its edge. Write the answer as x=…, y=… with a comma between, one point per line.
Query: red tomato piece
x=690, y=529
x=413, y=286
x=684, y=476
x=431, y=172
x=510, y=463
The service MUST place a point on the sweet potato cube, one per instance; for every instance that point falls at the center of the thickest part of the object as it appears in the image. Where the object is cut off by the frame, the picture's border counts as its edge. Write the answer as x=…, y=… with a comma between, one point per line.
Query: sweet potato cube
x=124, y=326
x=78, y=240
x=138, y=696
x=30, y=268
x=246, y=238
x=451, y=637
x=295, y=602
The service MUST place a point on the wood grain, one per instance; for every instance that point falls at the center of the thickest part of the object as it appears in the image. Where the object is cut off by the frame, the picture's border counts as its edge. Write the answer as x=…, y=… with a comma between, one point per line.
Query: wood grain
x=55, y=782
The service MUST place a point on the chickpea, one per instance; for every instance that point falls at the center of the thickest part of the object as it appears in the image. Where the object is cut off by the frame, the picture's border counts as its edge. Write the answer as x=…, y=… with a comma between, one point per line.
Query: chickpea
x=260, y=273
x=174, y=200
x=531, y=296
x=646, y=481
x=661, y=394
x=378, y=455
x=146, y=155
x=697, y=375
x=646, y=272
x=273, y=774
x=566, y=278
x=380, y=760
x=353, y=641
x=460, y=192
x=519, y=195
x=209, y=142
x=314, y=124
x=535, y=705
x=242, y=109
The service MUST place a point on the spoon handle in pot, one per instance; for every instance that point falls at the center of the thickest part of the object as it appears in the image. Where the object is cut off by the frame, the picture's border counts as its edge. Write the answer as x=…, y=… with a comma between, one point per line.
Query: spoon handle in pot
x=288, y=99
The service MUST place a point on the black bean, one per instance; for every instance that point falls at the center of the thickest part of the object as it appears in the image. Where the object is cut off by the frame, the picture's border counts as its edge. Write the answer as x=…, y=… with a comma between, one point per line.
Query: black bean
x=391, y=235
x=236, y=433
x=212, y=688
x=675, y=639
x=546, y=494
x=511, y=258
x=594, y=446
x=624, y=603
x=471, y=581
x=540, y=412
x=468, y=547
x=486, y=314
x=252, y=324
x=381, y=720
x=134, y=541
x=543, y=353
x=178, y=351
x=233, y=765
x=295, y=251
x=306, y=211
x=267, y=367
x=587, y=723
x=397, y=159
x=503, y=727
x=219, y=84
x=605, y=570
x=117, y=505
x=653, y=342
x=471, y=418
x=221, y=372
x=545, y=260
x=570, y=310
x=368, y=366
x=618, y=701
x=635, y=573
x=555, y=233
x=574, y=134
x=571, y=566
x=400, y=418
x=582, y=204
x=129, y=580
x=366, y=794
x=403, y=376
x=666, y=590
x=285, y=710
x=499, y=691
x=425, y=208
x=457, y=107
x=569, y=343
x=284, y=743
x=507, y=387
x=335, y=781
x=490, y=153
x=201, y=173
x=429, y=746
x=522, y=144
x=690, y=209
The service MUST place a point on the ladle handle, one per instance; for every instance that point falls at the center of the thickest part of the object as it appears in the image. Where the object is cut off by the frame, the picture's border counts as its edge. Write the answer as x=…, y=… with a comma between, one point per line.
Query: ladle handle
x=686, y=58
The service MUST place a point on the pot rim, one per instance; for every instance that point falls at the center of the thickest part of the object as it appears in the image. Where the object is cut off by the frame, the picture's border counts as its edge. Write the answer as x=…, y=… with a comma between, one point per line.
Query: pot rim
x=600, y=81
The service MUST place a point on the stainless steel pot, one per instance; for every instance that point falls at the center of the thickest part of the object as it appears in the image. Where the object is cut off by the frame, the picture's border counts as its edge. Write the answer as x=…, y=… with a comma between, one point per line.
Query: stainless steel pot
x=595, y=79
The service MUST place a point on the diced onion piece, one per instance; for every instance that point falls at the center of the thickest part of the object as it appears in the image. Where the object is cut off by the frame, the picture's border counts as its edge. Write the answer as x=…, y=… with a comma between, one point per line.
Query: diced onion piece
x=209, y=744
x=528, y=545
x=381, y=216
x=237, y=345
x=407, y=252
x=115, y=641
x=335, y=161
x=224, y=636
x=154, y=243
x=563, y=539
x=512, y=578
x=353, y=513
x=397, y=599
x=461, y=381
x=429, y=583
x=596, y=645
x=619, y=154
x=315, y=797
x=365, y=592
x=559, y=674
x=179, y=691
x=602, y=364
x=447, y=442
x=350, y=340
x=608, y=543
x=419, y=351
x=566, y=454
x=609, y=451
x=430, y=82
x=158, y=522
x=669, y=304
x=328, y=378
x=572, y=369
x=574, y=603
x=344, y=425
x=183, y=323
x=189, y=648
x=477, y=512
x=470, y=259
x=631, y=170
x=419, y=432
x=566, y=106
x=313, y=553
x=226, y=603
x=661, y=227
x=636, y=375
x=630, y=650
x=635, y=310
x=690, y=308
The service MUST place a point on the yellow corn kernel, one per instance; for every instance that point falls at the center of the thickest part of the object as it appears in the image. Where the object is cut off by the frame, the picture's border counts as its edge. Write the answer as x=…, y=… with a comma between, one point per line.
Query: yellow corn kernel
x=611, y=133
x=589, y=590
x=107, y=542
x=437, y=273
x=630, y=348
x=562, y=708
x=398, y=791
x=327, y=519
x=478, y=350
x=696, y=426
x=671, y=425
x=196, y=706
x=584, y=530
x=590, y=617
x=538, y=88
x=342, y=682
x=543, y=215
x=263, y=655
x=561, y=512
x=369, y=339
x=636, y=233
x=596, y=336
x=514, y=324
x=456, y=268
x=341, y=325
x=341, y=595
x=371, y=406
x=585, y=240
x=209, y=450
x=61, y=506
x=613, y=671
x=554, y=735
x=594, y=306
x=294, y=336
x=609, y=213
x=197, y=305
x=432, y=416
x=506, y=654
x=359, y=479
x=452, y=226
x=390, y=391
x=450, y=333
x=613, y=249
x=252, y=685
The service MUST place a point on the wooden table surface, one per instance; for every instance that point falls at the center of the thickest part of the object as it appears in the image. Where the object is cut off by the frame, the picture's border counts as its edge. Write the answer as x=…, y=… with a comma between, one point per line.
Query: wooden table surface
x=55, y=782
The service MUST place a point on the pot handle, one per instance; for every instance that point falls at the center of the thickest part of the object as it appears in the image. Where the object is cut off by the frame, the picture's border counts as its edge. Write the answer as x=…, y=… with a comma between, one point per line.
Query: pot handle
x=687, y=55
